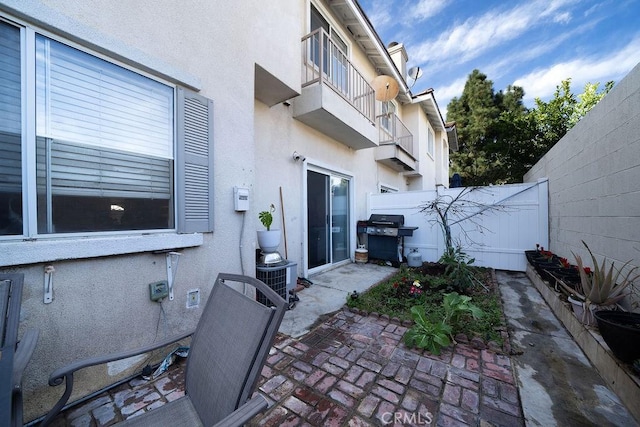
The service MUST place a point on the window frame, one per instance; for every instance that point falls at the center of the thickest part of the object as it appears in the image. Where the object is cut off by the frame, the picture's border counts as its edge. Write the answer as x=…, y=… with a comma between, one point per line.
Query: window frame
x=387, y=188
x=29, y=51
x=431, y=143
x=336, y=72
x=31, y=247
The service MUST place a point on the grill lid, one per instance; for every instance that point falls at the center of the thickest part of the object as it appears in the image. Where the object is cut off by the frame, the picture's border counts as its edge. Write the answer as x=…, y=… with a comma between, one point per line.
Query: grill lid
x=386, y=220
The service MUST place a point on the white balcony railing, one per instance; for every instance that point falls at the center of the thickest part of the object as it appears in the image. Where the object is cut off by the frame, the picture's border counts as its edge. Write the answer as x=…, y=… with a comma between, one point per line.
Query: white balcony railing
x=325, y=63
x=393, y=131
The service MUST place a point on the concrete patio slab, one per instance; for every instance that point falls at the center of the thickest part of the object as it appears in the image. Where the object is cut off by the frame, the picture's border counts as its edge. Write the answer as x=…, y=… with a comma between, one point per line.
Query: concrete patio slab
x=329, y=293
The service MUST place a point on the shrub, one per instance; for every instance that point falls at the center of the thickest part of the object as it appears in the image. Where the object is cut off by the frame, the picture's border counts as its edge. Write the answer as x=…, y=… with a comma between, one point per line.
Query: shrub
x=458, y=268
x=433, y=335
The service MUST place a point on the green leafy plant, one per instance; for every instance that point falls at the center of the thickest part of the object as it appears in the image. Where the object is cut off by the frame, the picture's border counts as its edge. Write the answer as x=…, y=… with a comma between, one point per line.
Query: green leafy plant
x=456, y=305
x=458, y=268
x=266, y=217
x=434, y=335
x=601, y=286
x=425, y=334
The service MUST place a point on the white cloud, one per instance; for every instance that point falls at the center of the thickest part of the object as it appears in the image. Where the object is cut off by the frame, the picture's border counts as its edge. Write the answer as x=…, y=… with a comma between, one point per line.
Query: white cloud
x=525, y=52
x=444, y=94
x=593, y=9
x=541, y=83
x=562, y=18
x=379, y=14
x=425, y=9
x=453, y=89
x=479, y=34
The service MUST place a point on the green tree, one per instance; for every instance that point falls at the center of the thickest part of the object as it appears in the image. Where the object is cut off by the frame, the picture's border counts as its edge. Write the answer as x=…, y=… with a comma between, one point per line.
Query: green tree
x=588, y=99
x=554, y=118
x=480, y=114
x=500, y=139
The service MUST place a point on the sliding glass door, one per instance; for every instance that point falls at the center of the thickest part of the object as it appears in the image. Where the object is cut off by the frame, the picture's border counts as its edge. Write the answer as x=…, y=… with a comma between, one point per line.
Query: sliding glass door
x=328, y=218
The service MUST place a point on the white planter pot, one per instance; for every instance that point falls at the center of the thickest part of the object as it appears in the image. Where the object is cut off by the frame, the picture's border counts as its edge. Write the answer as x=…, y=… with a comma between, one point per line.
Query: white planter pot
x=584, y=314
x=269, y=241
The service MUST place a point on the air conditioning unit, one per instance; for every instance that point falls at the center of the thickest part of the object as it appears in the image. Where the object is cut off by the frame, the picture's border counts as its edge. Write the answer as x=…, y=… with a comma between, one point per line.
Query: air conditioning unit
x=282, y=278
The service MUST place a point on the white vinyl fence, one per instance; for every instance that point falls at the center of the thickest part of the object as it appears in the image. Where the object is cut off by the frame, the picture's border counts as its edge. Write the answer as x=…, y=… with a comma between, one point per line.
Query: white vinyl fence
x=514, y=219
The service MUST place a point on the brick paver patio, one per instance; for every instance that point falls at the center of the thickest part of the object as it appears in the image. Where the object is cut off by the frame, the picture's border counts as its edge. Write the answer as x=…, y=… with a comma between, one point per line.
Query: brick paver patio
x=352, y=370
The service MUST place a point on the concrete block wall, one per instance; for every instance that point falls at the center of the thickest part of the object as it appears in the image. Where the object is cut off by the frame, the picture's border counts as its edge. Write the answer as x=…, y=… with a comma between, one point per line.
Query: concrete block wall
x=593, y=174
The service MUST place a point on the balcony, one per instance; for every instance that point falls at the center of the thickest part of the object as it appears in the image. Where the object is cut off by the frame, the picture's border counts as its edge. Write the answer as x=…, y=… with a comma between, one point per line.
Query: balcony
x=336, y=99
x=396, y=144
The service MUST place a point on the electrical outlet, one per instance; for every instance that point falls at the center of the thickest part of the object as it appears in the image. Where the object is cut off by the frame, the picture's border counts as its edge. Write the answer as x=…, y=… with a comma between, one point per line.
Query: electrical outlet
x=158, y=290
x=193, y=298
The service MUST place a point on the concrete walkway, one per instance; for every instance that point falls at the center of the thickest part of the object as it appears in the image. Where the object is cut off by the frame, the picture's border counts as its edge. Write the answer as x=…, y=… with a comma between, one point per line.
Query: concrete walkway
x=351, y=369
x=558, y=385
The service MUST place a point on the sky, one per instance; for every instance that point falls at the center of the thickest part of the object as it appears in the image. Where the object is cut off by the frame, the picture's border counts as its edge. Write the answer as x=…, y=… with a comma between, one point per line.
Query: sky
x=534, y=44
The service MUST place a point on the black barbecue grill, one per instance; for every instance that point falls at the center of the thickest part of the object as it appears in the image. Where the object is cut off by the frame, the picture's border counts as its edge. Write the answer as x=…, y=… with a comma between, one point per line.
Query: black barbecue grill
x=386, y=235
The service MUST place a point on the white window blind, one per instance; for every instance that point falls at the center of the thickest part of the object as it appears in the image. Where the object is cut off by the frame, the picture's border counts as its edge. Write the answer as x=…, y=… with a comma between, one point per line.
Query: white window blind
x=76, y=170
x=102, y=130
x=84, y=99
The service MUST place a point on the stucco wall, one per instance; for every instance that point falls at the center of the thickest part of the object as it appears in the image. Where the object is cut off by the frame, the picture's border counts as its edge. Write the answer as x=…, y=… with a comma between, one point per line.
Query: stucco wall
x=593, y=179
x=102, y=304
x=278, y=135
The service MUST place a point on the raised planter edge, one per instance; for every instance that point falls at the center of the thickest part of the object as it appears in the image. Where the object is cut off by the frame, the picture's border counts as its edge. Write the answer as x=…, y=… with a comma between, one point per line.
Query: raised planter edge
x=616, y=374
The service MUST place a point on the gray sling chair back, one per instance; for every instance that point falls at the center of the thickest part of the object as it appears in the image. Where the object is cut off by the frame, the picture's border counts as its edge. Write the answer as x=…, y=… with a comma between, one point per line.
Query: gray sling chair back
x=15, y=354
x=228, y=350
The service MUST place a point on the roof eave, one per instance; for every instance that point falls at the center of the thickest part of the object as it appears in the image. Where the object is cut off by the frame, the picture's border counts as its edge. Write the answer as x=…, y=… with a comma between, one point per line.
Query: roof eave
x=354, y=18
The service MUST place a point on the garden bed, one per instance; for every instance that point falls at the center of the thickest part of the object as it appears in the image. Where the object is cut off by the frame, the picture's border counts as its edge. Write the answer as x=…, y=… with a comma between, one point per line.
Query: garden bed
x=426, y=286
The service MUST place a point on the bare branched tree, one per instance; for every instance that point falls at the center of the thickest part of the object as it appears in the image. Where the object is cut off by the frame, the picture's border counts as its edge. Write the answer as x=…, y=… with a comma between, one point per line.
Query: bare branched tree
x=453, y=210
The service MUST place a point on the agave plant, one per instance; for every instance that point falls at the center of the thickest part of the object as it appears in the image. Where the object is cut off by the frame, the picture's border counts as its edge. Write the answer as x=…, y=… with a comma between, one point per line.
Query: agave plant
x=602, y=285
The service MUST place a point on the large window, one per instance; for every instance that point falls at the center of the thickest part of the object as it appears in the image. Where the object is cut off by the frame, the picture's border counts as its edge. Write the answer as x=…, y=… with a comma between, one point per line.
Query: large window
x=104, y=144
x=96, y=151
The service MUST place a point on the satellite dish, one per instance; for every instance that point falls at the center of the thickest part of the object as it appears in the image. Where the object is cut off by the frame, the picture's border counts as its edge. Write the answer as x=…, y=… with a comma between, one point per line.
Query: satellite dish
x=385, y=87
x=415, y=73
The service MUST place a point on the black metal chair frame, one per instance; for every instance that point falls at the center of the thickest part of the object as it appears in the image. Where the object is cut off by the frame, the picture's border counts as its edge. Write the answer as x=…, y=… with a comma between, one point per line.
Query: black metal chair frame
x=15, y=353
x=245, y=407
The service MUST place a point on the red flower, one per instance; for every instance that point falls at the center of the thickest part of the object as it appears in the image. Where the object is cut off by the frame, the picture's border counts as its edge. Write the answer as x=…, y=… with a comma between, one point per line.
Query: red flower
x=587, y=270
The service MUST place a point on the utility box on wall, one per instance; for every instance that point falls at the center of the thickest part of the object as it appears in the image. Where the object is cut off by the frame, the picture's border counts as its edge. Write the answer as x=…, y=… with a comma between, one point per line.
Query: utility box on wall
x=240, y=199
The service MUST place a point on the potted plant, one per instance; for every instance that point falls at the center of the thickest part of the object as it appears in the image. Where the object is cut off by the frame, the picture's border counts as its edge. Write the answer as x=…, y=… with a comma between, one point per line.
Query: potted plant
x=542, y=260
x=621, y=331
x=268, y=239
x=599, y=287
x=568, y=273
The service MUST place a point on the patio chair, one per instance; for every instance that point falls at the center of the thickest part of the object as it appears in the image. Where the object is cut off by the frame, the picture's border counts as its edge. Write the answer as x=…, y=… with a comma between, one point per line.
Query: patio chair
x=15, y=354
x=228, y=350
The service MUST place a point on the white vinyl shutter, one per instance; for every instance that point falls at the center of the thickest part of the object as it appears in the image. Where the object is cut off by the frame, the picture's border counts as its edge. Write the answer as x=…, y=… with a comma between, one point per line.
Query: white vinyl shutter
x=194, y=158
